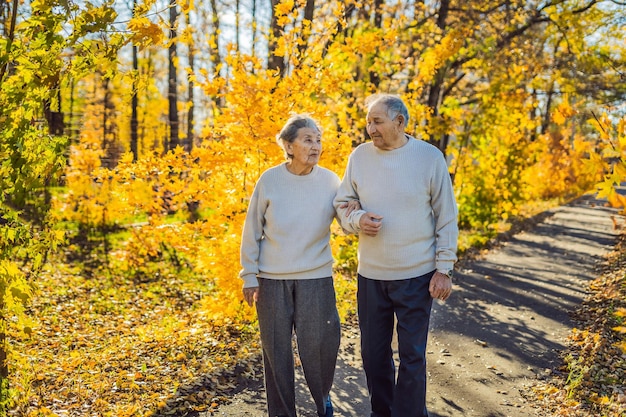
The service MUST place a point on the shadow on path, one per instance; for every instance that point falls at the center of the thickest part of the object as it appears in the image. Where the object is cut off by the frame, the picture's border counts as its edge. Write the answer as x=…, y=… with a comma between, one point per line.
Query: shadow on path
x=508, y=318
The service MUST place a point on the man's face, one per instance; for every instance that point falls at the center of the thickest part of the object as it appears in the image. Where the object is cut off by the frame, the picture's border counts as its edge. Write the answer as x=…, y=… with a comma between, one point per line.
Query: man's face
x=384, y=131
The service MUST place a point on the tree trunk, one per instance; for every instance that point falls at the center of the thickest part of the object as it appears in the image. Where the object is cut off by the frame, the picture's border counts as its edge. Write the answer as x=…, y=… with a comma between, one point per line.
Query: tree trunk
x=10, y=34
x=340, y=28
x=254, y=26
x=105, y=116
x=56, y=124
x=4, y=366
x=73, y=131
x=378, y=13
x=309, y=8
x=134, y=103
x=274, y=61
x=110, y=142
x=374, y=76
x=172, y=94
x=216, y=59
x=545, y=122
x=190, y=86
x=434, y=93
x=237, y=11
x=134, y=123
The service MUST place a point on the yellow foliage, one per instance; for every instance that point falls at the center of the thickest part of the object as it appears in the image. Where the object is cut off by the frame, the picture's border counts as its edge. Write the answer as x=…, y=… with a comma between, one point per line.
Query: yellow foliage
x=437, y=56
x=192, y=205
x=186, y=5
x=616, y=200
x=283, y=8
x=610, y=157
x=145, y=32
x=563, y=112
x=561, y=168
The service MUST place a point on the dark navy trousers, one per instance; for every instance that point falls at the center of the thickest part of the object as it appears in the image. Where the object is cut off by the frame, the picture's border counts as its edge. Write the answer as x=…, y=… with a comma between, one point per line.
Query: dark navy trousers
x=410, y=301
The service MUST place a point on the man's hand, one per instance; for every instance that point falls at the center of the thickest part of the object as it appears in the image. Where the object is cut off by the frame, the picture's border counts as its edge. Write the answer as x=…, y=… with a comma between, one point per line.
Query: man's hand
x=251, y=295
x=370, y=223
x=440, y=286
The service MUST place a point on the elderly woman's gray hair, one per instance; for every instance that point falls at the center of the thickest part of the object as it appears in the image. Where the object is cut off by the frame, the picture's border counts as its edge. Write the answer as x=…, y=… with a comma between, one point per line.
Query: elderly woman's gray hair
x=289, y=132
x=394, y=104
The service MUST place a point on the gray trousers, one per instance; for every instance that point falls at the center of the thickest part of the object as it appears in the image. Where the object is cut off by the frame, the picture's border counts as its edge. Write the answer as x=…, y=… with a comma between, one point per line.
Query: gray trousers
x=308, y=309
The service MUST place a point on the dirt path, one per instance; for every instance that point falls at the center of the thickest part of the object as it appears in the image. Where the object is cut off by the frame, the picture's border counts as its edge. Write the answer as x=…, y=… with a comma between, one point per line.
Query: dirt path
x=501, y=330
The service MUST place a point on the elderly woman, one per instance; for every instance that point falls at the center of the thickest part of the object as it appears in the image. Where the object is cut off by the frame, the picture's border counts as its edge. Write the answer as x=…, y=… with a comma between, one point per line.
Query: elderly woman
x=287, y=269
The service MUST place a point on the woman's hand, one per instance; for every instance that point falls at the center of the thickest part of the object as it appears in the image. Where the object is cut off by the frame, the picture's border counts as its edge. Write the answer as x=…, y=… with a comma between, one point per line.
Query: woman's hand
x=251, y=295
x=351, y=206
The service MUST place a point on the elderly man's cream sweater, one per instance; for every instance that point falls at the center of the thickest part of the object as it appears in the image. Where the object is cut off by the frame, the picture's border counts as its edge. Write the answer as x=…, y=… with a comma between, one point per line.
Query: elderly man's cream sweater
x=411, y=188
x=287, y=229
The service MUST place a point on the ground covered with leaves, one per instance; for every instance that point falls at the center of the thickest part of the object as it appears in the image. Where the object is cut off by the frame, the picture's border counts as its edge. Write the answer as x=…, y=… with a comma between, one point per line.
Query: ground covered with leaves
x=592, y=379
x=107, y=345
x=110, y=346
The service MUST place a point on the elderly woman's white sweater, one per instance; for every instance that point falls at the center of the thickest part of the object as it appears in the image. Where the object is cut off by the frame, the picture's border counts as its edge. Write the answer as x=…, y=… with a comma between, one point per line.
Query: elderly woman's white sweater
x=410, y=187
x=287, y=229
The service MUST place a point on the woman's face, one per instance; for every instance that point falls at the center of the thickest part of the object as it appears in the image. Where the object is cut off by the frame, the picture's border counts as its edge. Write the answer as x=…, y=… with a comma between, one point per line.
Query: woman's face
x=306, y=148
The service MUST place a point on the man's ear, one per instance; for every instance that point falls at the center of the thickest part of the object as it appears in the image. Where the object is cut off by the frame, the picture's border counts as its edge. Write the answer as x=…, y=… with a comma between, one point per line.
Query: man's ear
x=400, y=120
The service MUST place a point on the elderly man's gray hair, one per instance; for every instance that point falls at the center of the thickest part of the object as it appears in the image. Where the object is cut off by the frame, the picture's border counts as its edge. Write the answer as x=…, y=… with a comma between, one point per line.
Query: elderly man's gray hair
x=394, y=104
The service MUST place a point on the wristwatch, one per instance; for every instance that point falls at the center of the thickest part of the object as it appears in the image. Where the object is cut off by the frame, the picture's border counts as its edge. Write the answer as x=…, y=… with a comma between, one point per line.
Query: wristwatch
x=447, y=272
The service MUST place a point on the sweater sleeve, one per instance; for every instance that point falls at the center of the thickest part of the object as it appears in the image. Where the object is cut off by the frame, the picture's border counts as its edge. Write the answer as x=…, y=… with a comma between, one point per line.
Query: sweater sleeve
x=251, y=238
x=446, y=212
x=346, y=193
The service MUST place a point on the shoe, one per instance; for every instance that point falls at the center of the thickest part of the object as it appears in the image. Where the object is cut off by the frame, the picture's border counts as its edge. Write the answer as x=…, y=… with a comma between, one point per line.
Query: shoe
x=329, y=408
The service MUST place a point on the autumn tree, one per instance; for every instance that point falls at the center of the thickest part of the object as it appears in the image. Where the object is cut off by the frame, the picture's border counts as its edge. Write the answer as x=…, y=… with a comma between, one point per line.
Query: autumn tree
x=44, y=46
x=504, y=89
x=32, y=157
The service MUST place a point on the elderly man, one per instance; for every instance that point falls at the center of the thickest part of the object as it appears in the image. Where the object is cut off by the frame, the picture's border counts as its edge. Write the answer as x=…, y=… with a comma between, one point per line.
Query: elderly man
x=407, y=249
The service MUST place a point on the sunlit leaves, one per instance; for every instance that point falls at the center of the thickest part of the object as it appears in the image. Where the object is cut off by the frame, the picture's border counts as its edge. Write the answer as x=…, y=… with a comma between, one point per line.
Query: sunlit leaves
x=283, y=11
x=186, y=5
x=563, y=112
x=436, y=56
x=145, y=32
x=94, y=18
x=611, y=157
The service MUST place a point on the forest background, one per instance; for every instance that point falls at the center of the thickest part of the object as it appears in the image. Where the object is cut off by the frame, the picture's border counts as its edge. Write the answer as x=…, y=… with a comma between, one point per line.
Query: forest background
x=132, y=134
